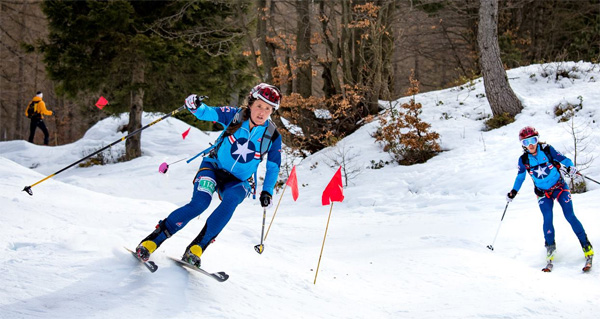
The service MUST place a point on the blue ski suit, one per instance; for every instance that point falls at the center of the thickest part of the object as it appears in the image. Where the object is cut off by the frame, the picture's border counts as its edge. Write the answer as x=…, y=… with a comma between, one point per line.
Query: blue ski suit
x=226, y=170
x=550, y=186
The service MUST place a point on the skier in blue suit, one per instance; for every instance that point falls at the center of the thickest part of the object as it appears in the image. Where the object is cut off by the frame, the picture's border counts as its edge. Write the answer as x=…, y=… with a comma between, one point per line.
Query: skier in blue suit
x=540, y=161
x=249, y=135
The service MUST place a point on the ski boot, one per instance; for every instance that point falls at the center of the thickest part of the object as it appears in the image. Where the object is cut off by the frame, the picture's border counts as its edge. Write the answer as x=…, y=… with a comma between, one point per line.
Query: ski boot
x=550, y=252
x=192, y=255
x=144, y=249
x=152, y=241
x=588, y=252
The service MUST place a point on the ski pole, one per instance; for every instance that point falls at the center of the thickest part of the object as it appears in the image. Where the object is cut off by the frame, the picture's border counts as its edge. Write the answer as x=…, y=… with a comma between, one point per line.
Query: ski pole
x=275, y=213
x=584, y=176
x=491, y=247
x=28, y=188
x=164, y=167
x=260, y=247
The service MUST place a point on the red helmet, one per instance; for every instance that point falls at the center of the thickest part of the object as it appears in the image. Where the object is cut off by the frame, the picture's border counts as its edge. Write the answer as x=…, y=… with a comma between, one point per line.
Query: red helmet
x=268, y=93
x=527, y=131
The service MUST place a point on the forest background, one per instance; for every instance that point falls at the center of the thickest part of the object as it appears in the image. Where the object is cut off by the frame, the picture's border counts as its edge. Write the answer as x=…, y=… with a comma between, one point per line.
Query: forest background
x=333, y=60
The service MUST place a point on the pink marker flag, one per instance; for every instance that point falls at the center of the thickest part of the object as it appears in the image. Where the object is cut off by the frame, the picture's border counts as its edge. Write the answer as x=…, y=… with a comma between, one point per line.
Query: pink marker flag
x=102, y=102
x=334, y=192
x=185, y=134
x=292, y=182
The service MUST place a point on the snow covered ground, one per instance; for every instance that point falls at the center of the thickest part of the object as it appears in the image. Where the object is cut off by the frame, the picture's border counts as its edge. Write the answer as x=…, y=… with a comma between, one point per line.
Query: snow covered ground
x=407, y=242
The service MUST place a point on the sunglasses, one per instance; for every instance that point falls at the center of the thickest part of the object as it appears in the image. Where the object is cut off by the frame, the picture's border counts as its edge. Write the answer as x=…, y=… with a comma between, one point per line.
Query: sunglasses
x=268, y=94
x=530, y=140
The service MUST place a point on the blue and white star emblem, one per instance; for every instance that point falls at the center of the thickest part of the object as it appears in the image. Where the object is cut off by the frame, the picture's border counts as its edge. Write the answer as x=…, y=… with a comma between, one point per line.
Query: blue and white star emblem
x=540, y=172
x=242, y=150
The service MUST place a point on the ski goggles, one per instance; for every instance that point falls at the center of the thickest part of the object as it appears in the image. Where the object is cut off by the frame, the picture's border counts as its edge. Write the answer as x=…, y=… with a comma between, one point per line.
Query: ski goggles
x=530, y=140
x=269, y=94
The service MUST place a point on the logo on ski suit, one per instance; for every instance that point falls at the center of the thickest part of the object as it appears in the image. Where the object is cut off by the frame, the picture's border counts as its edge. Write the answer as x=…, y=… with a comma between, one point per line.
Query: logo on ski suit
x=242, y=150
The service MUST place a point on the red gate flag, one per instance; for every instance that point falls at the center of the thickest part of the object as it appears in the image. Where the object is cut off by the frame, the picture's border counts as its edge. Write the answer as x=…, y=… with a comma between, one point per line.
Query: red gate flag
x=101, y=102
x=185, y=134
x=293, y=183
x=334, y=192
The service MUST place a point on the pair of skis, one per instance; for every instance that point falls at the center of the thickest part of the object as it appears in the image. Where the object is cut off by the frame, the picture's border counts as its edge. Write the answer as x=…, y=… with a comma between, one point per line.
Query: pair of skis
x=152, y=267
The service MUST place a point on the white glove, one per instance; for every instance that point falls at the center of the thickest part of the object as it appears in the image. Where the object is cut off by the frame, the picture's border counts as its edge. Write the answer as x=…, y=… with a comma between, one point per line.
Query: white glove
x=193, y=102
x=572, y=171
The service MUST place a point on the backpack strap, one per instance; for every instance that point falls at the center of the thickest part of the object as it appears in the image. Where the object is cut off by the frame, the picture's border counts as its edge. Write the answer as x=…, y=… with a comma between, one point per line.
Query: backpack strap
x=236, y=119
x=525, y=159
x=546, y=149
x=269, y=136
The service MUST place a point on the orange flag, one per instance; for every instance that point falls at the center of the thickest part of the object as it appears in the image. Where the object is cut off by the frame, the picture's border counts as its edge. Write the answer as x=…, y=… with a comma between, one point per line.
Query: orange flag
x=185, y=134
x=293, y=183
x=101, y=102
x=334, y=192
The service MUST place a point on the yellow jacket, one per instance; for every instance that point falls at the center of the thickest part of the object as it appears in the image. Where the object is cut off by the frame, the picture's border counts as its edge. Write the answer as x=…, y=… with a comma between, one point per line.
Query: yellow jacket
x=40, y=107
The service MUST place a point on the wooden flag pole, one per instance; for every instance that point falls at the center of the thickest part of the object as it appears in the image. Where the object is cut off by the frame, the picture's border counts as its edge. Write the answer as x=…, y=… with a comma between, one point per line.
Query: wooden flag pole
x=326, y=228
x=275, y=212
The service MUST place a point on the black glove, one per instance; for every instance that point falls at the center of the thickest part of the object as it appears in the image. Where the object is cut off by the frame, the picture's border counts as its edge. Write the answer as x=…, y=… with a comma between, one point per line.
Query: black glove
x=265, y=199
x=511, y=195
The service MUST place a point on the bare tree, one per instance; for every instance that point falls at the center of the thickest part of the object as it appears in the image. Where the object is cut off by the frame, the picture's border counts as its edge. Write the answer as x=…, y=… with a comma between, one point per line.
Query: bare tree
x=497, y=89
x=582, y=147
x=343, y=155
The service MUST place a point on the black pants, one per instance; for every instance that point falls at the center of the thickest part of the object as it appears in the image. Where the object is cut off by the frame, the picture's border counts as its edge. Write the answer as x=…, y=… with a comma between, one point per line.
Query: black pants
x=35, y=123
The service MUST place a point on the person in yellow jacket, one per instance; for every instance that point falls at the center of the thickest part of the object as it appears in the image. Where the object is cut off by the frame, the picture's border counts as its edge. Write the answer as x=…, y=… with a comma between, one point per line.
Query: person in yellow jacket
x=37, y=117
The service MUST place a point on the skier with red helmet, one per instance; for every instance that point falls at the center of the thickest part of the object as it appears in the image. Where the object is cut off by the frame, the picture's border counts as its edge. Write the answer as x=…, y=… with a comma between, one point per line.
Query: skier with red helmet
x=542, y=162
x=249, y=135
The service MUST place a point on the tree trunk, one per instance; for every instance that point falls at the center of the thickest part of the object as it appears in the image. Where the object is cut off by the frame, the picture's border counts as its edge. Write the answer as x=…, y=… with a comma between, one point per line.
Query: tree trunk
x=500, y=95
x=348, y=44
x=21, y=103
x=303, y=33
x=133, y=145
x=266, y=50
x=331, y=85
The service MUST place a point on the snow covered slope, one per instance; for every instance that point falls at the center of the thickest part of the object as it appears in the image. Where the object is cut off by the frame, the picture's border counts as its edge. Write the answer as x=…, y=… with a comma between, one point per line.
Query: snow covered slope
x=408, y=241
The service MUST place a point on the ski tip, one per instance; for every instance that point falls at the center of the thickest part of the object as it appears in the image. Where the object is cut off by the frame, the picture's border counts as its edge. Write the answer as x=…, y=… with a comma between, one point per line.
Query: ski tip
x=586, y=268
x=221, y=276
x=548, y=268
x=151, y=266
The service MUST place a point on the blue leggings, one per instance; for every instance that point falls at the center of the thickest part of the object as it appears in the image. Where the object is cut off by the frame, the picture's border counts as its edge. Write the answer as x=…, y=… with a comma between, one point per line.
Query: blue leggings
x=563, y=196
x=232, y=192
